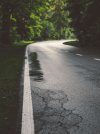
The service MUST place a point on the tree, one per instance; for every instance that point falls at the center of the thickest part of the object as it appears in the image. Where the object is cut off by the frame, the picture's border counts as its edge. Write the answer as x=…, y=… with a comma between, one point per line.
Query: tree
x=86, y=20
x=5, y=22
x=17, y=9
x=54, y=18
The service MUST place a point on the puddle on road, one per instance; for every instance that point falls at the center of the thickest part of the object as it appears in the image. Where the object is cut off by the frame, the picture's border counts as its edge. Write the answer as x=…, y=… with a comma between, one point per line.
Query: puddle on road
x=50, y=115
x=35, y=69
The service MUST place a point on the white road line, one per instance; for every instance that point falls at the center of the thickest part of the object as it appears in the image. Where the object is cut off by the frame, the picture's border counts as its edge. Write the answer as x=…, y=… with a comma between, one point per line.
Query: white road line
x=96, y=59
x=27, y=111
x=79, y=54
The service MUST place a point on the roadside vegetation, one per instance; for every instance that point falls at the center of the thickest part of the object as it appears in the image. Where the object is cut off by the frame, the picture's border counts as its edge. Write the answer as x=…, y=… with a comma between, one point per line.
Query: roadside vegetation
x=34, y=20
x=50, y=19
x=11, y=62
x=86, y=21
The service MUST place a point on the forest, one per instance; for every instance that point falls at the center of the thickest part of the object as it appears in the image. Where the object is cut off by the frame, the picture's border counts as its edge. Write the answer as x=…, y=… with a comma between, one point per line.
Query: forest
x=50, y=19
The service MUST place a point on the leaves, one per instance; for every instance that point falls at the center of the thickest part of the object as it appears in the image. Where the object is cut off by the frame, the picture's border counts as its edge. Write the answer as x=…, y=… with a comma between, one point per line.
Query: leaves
x=50, y=19
x=86, y=20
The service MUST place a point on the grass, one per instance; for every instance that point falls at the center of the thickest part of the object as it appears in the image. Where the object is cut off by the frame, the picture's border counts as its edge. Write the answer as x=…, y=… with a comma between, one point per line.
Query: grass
x=23, y=43
x=11, y=62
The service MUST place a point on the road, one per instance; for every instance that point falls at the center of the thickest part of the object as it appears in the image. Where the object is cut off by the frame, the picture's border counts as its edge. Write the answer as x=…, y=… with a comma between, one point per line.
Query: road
x=65, y=83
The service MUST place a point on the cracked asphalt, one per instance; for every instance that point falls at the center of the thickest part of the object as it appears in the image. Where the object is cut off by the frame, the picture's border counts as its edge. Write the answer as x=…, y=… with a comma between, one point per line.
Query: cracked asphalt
x=65, y=84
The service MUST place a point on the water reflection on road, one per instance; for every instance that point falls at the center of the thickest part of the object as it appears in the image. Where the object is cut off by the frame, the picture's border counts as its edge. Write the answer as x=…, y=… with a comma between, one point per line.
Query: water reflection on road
x=50, y=116
x=35, y=69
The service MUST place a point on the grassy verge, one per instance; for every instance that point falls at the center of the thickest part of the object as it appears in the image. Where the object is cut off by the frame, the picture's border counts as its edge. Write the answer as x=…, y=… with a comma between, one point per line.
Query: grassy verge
x=11, y=62
x=23, y=43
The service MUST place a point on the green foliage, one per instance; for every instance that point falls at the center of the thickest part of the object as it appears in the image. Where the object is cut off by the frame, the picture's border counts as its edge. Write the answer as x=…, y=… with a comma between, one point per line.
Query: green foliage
x=35, y=26
x=37, y=20
x=86, y=20
x=14, y=13
x=54, y=20
x=50, y=19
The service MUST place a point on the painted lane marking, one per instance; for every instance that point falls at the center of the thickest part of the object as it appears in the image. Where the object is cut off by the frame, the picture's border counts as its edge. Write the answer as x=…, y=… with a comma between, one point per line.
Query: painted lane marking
x=27, y=111
x=79, y=54
x=97, y=59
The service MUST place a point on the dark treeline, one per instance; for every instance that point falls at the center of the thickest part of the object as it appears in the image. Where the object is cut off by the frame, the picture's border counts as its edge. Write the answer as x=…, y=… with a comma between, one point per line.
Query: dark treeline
x=14, y=16
x=86, y=21
x=50, y=19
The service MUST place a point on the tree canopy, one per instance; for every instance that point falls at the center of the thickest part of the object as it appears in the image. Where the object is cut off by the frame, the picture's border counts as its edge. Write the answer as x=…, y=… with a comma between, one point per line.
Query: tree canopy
x=50, y=19
x=86, y=20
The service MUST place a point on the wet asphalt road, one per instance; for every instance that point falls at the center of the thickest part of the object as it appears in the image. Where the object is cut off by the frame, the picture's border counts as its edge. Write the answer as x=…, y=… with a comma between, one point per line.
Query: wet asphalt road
x=65, y=83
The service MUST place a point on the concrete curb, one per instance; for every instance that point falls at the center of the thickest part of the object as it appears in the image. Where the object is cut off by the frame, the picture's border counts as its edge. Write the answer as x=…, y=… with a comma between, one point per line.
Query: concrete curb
x=27, y=110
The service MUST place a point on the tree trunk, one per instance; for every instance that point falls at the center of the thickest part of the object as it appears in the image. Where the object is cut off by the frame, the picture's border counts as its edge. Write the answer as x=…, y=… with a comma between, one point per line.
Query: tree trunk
x=21, y=29
x=5, y=31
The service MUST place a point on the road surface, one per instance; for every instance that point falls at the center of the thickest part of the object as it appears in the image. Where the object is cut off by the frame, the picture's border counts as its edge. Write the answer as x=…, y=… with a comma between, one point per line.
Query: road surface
x=65, y=84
